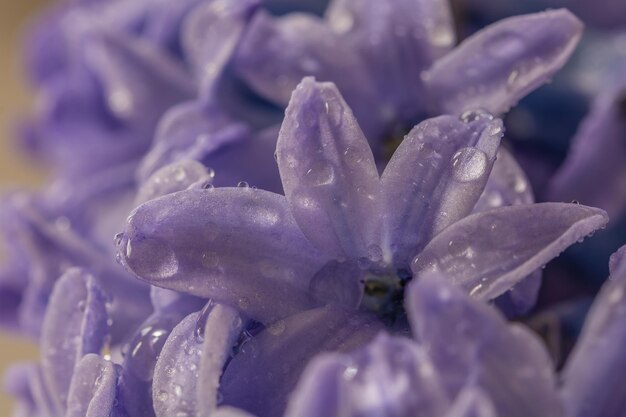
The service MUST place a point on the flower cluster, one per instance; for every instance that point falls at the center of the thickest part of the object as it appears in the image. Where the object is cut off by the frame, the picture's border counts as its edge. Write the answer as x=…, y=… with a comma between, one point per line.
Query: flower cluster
x=318, y=216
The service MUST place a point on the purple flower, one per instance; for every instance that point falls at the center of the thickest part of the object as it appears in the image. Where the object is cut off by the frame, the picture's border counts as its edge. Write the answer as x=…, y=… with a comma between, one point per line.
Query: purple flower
x=341, y=237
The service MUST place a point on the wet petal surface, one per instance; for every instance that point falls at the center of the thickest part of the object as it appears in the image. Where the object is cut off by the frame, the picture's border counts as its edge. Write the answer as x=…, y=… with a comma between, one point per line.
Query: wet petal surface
x=93, y=389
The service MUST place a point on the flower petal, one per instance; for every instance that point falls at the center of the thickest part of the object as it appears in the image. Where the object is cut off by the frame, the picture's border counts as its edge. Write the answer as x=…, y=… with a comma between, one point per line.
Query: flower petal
x=139, y=81
x=509, y=186
x=592, y=376
x=391, y=376
x=489, y=252
x=435, y=178
x=135, y=391
x=239, y=246
x=398, y=40
x=187, y=373
x=269, y=364
x=210, y=36
x=497, y=66
x=75, y=324
x=472, y=402
x=276, y=53
x=596, y=156
x=93, y=389
x=230, y=412
x=328, y=171
x=470, y=343
x=174, y=177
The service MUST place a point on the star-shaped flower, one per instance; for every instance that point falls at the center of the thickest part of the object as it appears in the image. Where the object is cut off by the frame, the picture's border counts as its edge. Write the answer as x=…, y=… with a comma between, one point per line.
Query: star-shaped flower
x=342, y=237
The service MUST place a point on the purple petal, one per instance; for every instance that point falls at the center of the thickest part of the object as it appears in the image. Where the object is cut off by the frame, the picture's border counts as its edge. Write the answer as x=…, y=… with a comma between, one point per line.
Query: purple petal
x=210, y=36
x=338, y=283
x=398, y=40
x=17, y=385
x=596, y=156
x=616, y=259
x=43, y=398
x=508, y=185
x=435, y=178
x=75, y=325
x=260, y=378
x=496, y=67
x=93, y=389
x=142, y=353
x=163, y=299
x=592, y=376
x=172, y=178
x=187, y=373
x=230, y=412
x=139, y=82
x=328, y=171
x=238, y=246
x=489, y=252
x=276, y=53
x=472, y=402
x=470, y=343
x=391, y=376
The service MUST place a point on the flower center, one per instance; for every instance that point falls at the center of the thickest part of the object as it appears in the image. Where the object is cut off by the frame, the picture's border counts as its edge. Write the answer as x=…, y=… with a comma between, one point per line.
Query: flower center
x=383, y=294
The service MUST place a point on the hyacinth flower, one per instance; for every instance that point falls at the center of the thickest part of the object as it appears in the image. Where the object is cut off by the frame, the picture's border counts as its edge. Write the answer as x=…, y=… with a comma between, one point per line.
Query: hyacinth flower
x=461, y=351
x=342, y=237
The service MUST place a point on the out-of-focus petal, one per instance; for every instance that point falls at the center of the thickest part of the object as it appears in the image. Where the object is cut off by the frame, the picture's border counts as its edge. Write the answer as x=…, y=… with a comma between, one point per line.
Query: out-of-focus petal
x=489, y=252
x=230, y=412
x=435, y=178
x=472, y=402
x=93, y=389
x=276, y=53
x=391, y=376
x=210, y=36
x=239, y=246
x=597, y=156
x=470, y=343
x=262, y=375
x=398, y=40
x=139, y=81
x=497, y=66
x=75, y=324
x=592, y=376
x=328, y=171
x=187, y=373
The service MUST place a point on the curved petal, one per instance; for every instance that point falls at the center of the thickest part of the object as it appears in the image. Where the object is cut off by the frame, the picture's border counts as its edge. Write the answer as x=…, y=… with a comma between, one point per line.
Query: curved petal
x=187, y=373
x=596, y=156
x=16, y=384
x=239, y=246
x=489, y=252
x=509, y=186
x=494, y=68
x=142, y=352
x=269, y=364
x=328, y=171
x=593, y=373
x=276, y=53
x=93, y=389
x=75, y=324
x=435, y=178
x=470, y=343
x=472, y=402
x=398, y=40
x=174, y=177
x=210, y=36
x=139, y=82
x=230, y=412
x=391, y=376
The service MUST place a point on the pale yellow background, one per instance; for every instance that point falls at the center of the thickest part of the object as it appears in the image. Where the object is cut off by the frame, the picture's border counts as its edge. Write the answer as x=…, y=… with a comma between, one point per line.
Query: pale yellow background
x=14, y=170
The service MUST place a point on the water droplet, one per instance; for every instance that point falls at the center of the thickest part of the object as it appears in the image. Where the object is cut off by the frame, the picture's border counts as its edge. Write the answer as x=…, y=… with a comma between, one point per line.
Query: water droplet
x=469, y=164
x=342, y=22
x=513, y=77
x=82, y=305
x=475, y=115
x=180, y=174
x=441, y=35
x=202, y=319
x=210, y=260
x=375, y=253
x=350, y=372
x=178, y=390
x=320, y=174
x=243, y=184
x=162, y=396
x=145, y=348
